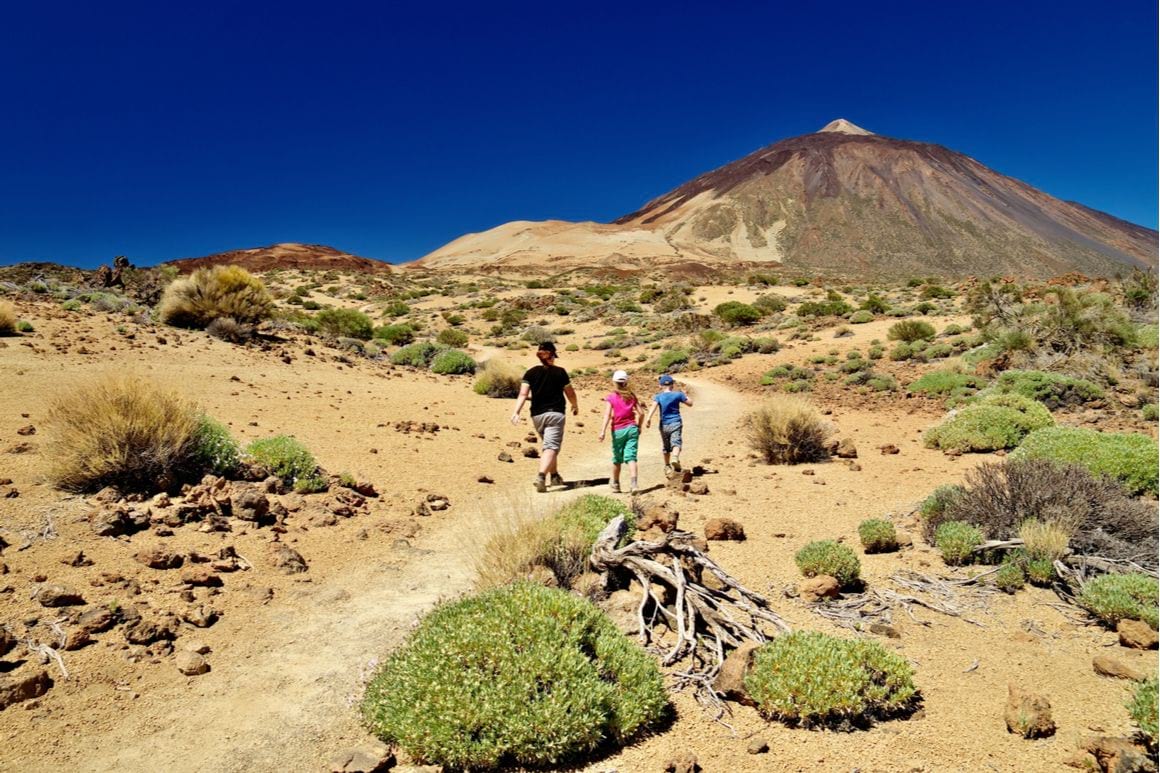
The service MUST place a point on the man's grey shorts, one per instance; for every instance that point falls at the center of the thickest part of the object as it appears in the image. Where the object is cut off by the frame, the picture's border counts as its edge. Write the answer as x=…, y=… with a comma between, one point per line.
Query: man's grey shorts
x=671, y=436
x=550, y=427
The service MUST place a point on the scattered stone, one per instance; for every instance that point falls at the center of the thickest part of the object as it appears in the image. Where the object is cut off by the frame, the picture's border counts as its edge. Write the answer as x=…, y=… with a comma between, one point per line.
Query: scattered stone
x=700, y=488
x=1113, y=755
x=819, y=588
x=8, y=492
x=484, y=479
x=200, y=616
x=590, y=585
x=201, y=578
x=119, y=520
x=685, y=762
x=288, y=560
x=621, y=606
x=20, y=448
x=366, y=488
x=58, y=596
x=657, y=517
x=1137, y=634
x=846, y=449
x=368, y=759
x=712, y=582
x=1028, y=714
x=159, y=558
x=542, y=575
x=889, y=449
x=96, y=620
x=1106, y=665
x=504, y=456
x=7, y=641
x=438, y=502
x=730, y=680
x=75, y=639
x=724, y=529
x=200, y=647
x=26, y=430
x=758, y=746
x=249, y=504
x=14, y=689
x=531, y=452
x=191, y=663
x=882, y=629
x=80, y=559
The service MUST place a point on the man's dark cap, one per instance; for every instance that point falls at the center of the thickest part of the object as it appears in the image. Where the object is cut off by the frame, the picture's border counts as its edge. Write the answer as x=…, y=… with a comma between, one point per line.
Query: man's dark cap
x=547, y=346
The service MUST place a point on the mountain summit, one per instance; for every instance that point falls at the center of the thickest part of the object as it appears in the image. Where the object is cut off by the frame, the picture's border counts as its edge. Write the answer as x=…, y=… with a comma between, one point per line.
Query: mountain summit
x=838, y=201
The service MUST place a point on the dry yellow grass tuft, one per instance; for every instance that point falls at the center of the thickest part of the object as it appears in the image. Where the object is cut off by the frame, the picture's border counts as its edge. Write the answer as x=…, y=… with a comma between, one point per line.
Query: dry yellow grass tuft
x=498, y=378
x=788, y=430
x=123, y=431
x=7, y=319
x=1045, y=539
x=212, y=293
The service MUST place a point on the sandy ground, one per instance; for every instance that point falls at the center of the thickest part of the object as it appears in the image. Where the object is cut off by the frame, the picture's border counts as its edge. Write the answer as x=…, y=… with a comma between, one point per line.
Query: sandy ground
x=289, y=654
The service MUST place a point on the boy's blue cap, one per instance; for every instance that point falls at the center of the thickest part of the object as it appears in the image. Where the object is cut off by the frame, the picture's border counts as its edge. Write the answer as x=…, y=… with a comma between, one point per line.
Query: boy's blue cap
x=666, y=379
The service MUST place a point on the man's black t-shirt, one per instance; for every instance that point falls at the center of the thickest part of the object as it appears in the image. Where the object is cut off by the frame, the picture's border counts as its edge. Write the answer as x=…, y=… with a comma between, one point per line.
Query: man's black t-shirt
x=547, y=383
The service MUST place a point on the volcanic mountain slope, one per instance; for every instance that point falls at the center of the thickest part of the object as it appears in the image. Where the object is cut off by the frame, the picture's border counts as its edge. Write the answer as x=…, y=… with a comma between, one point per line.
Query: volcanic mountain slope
x=839, y=201
x=290, y=255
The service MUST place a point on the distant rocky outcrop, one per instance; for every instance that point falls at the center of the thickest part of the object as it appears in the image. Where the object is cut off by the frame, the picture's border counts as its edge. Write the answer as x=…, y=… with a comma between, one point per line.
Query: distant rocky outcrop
x=290, y=255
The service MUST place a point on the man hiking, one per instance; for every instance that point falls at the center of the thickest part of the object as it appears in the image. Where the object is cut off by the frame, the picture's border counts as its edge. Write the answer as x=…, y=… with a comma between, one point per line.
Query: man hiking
x=547, y=384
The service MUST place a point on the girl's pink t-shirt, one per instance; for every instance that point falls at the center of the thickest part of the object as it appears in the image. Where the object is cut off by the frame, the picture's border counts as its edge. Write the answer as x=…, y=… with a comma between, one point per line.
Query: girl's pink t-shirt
x=623, y=411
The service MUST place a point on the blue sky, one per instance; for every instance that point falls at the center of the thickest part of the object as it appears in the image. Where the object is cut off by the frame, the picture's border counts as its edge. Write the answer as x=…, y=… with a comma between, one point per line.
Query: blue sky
x=164, y=130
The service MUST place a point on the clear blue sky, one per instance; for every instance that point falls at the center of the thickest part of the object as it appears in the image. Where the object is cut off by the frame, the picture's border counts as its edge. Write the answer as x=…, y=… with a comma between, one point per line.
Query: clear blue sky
x=173, y=129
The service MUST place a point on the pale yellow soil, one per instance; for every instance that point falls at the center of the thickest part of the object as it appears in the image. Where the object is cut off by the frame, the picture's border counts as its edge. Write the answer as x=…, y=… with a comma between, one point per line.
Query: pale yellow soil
x=286, y=670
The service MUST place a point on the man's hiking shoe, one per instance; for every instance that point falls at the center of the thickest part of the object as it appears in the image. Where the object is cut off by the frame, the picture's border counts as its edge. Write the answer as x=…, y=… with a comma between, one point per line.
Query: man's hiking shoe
x=557, y=480
x=614, y=487
x=541, y=486
x=676, y=466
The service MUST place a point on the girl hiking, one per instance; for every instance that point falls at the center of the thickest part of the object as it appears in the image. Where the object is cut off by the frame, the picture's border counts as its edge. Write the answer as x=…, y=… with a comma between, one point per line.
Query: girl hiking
x=625, y=413
x=669, y=403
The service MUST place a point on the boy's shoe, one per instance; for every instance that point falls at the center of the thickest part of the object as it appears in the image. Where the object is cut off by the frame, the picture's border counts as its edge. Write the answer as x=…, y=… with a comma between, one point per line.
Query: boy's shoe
x=556, y=480
x=676, y=465
x=614, y=487
x=669, y=471
x=541, y=486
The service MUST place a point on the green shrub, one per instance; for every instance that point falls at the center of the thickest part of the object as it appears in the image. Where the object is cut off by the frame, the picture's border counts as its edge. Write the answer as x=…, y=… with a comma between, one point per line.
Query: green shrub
x=881, y=382
x=24, y=326
x=311, y=484
x=396, y=309
x=934, y=507
x=1129, y=458
x=813, y=679
x=417, y=355
x=878, y=536
x=932, y=292
x=910, y=330
x=518, y=676
x=670, y=359
x=737, y=314
x=997, y=421
x=946, y=382
x=770, y=303
x=214, y=448
x=395, y=335
x=829, y=557
x=452, y=362
x=788, y=431
x=1114, y=597
x=1010, y=577
x=902, y=351
x=452, y=337
x=1052, y=389
x=861, y=317
x=829, y=308
x=209, y=293
x=1149, y=412
x=957, y=540
x=1041, y=572
x=283, y=456
x=345, y=323
x=498, y=379
x=875, y=304
x=1143, y=710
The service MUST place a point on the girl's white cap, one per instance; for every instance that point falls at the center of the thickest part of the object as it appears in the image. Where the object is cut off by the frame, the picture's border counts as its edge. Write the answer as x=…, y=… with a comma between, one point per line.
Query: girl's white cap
x=620, y=377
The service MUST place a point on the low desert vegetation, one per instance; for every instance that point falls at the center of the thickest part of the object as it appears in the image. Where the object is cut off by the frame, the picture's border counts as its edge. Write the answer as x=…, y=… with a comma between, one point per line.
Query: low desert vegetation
x=830, y=558
x=786, y=430
x=288, y=459
x=812, y=679
x=994, y=422
x=452, y=362
x=417, y=355
x=910, y=330
x=395, y=335
x=128, y=432
x=878, y=536
x=345, y=323
x=214, y=449
x=1111, y=598
x=956, y=541
x=497, y=378
x=1143, y=710
x=521, y=675
x=209, y=293
x=1052, y=389
x=452, y=337
x=7, y=319
x=1129, y=458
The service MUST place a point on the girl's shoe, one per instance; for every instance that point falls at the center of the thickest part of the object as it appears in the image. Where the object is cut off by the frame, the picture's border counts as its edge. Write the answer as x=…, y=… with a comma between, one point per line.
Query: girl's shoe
x=676, y=465
x=614, y=487
x=669, y=471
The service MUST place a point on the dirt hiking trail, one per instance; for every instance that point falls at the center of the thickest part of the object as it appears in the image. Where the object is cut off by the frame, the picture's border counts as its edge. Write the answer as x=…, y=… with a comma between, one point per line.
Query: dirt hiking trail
x=286, y=700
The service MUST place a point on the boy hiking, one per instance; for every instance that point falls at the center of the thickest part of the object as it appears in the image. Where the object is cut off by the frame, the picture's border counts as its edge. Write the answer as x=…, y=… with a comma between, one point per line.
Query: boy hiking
x=547, y=384
x=669, y=402
x=624, y=412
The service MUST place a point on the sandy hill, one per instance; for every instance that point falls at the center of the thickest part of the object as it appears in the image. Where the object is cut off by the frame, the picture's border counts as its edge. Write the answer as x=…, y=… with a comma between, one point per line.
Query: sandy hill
x=288, y=255
x=841, y=201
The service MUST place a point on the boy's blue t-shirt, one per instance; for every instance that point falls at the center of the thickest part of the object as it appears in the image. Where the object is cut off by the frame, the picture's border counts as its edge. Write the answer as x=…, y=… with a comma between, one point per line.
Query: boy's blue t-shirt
x=670, y=403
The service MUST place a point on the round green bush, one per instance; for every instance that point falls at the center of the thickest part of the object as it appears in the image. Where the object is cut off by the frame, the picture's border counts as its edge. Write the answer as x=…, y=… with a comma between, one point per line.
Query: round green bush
x=214, y=448
x=283, y=456
x=1128, y=457
x=861, y=317
x=452, y=362
x=452, y=337
x=1052, y=389
x=1143, y=710
x=933, y=509
x=1041, y=572
x=878, y=536
x=1010, y=577
x=522, y=675
x=910, y=330
x=737, y=314
x=417, y=355
x=829, y=557
x=345, y=323
x=957, y=540
x=395, y=335
x=810, y=678
x=997, y=421
x=1115, y=597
